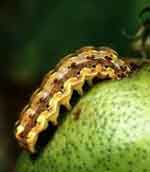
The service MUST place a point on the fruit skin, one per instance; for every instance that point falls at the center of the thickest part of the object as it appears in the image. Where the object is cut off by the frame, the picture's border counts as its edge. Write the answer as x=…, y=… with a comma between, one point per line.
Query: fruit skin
x=108, y=130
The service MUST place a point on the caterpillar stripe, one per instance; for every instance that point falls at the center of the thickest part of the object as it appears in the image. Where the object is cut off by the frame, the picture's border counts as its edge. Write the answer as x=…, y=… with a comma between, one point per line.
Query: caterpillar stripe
x=58, y=85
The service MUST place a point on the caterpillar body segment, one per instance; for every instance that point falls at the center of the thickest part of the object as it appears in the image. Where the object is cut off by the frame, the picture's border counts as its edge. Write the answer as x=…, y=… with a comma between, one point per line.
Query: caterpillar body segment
x=58, y=85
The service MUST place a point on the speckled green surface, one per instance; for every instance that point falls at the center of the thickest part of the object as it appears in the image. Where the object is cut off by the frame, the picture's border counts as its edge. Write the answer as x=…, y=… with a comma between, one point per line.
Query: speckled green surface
x=112, y=133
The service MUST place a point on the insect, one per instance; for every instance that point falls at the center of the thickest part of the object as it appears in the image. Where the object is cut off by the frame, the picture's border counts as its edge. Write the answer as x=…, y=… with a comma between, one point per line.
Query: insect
x=57, y=89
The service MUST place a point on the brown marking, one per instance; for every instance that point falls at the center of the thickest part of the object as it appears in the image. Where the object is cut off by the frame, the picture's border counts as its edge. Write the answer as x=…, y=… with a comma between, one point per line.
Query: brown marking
x=76, y=113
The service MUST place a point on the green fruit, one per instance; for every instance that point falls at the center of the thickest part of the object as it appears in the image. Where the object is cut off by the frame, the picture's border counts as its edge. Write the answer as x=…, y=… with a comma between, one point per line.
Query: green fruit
x=108, y=130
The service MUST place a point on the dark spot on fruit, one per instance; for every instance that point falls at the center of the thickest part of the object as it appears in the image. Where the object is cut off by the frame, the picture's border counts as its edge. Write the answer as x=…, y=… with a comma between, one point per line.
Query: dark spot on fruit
x=76, y=113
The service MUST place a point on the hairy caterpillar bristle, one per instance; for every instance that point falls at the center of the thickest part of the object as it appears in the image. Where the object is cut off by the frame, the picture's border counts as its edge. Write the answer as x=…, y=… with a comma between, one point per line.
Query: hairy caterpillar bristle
x=58, y=85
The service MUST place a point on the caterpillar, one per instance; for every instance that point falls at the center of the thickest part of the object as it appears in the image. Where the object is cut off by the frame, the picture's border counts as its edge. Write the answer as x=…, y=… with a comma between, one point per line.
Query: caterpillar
x=57, y=87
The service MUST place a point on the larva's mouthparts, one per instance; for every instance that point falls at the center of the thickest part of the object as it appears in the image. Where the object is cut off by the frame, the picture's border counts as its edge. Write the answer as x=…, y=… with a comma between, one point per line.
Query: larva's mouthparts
x=58, y=85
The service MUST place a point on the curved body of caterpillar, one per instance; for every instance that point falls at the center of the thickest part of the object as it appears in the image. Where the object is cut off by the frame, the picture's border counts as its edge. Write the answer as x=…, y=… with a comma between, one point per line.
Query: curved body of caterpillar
x=58, y=85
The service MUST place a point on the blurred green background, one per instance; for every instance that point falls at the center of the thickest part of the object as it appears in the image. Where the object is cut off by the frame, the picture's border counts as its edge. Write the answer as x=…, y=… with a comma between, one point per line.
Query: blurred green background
x=35, y=34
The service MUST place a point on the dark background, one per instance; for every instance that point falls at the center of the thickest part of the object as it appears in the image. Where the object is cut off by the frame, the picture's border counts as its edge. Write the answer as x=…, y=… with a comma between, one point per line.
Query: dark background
x=35, y=34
